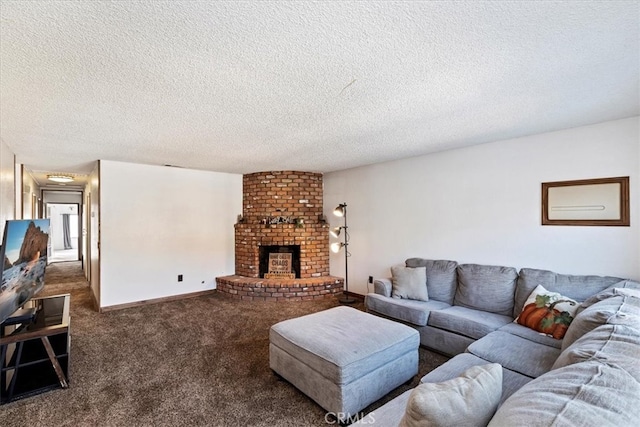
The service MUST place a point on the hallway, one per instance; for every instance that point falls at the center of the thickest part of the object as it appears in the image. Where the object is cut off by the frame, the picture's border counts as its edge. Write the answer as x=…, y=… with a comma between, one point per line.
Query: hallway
x=63, y=255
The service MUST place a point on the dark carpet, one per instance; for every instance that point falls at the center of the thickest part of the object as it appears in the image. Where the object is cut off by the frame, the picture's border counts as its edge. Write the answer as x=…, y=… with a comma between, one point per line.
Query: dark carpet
x=200, y=361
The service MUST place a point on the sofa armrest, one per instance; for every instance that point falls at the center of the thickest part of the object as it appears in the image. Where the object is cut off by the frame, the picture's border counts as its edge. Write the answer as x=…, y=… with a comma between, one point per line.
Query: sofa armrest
x=382, y=287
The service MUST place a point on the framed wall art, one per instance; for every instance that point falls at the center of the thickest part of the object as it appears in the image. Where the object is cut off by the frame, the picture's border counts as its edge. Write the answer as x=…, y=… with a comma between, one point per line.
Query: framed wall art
x=593, y=202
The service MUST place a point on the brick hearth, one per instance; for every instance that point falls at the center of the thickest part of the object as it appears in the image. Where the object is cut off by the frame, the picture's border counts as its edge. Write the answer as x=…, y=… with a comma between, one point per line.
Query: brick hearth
x=255, y=289
x=282, y=208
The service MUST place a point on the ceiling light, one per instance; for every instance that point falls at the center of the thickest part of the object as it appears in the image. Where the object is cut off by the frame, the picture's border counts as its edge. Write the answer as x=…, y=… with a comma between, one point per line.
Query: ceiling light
x=60, y=178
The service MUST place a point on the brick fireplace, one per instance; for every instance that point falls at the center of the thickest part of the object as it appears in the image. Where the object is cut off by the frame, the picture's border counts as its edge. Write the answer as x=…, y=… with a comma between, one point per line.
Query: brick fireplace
x=281, y=211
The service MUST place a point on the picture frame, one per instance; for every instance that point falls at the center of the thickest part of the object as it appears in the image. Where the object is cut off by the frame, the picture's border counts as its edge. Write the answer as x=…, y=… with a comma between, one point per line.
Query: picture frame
x=24, y=253
x=587, y=202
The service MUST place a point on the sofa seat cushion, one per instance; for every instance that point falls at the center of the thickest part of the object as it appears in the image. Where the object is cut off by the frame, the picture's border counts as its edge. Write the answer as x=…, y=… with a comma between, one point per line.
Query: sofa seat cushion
x=528, y=333
x=585, y=394
x=515, y=353
x=486, y=287
x=445, y=342
x=615, y=309
x=410, y=311
x=578, y=288
x=466, y=321
x=614, y=345
x=511, y=381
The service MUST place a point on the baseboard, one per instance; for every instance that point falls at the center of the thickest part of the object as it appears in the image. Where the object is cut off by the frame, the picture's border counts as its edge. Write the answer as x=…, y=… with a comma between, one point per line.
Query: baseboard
x=354, y=295
x=94, y=300
x=155, y=301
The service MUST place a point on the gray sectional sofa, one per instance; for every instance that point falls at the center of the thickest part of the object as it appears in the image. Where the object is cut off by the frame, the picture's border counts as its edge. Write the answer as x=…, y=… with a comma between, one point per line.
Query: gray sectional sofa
x=589, y=377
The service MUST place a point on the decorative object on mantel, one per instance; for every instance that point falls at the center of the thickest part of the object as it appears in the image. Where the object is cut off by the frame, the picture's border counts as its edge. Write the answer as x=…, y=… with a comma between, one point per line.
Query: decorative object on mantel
x=341, y=211
x=602, y=201
x=274, y=220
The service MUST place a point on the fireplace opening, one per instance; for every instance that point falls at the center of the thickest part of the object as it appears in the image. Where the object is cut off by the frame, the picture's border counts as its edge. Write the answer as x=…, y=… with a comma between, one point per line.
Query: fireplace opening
x=280, y=261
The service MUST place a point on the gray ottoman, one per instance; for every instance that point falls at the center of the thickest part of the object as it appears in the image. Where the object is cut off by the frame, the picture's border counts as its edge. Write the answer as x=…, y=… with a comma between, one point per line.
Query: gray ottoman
x=343, y=358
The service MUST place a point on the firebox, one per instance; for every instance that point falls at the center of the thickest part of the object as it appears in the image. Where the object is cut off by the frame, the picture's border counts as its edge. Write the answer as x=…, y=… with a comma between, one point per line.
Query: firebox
x=280, y=259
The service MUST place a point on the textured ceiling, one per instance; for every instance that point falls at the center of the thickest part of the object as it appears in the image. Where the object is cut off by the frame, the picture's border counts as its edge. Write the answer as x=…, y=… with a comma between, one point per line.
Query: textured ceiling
x=316, y=86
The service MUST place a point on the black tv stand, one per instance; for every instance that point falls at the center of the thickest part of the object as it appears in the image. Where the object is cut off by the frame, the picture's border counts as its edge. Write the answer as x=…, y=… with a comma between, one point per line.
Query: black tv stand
x=34, y=353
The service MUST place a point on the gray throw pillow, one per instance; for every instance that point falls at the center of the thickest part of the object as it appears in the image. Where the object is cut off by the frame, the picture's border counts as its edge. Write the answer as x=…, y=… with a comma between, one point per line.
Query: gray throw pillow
x=409, y=283
x=468, y=400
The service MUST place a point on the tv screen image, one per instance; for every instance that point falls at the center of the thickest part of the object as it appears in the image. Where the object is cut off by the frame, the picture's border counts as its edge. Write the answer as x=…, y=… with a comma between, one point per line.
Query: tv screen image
x=24, y=259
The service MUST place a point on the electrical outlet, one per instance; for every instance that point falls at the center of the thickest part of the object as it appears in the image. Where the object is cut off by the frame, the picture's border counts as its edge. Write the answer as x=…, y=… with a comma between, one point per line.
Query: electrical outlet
x=370, y=279
x=179, y=277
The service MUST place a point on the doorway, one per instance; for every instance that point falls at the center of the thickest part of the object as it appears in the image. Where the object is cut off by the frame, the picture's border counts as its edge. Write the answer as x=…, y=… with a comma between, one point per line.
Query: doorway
x=64, y=231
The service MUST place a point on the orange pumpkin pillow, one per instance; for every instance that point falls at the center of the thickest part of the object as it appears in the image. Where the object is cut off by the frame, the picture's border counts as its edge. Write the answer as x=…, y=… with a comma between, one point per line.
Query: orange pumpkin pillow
x=548, y=312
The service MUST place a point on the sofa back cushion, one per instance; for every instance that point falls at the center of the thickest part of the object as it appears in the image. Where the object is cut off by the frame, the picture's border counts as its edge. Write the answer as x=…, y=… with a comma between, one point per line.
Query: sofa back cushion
x=584, y=394
x=441, y=277
x=578, y=288
x=624, y=287
x=611, y=344
x=611, y=310
x=609, y=332
x=486, y=287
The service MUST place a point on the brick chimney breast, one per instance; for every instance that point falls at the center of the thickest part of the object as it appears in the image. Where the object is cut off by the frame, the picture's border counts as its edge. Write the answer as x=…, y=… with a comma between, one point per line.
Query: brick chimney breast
x=282, y=208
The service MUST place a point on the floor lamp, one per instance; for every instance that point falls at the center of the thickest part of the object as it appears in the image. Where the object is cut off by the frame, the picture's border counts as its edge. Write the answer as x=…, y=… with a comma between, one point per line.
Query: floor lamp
x=341, y=211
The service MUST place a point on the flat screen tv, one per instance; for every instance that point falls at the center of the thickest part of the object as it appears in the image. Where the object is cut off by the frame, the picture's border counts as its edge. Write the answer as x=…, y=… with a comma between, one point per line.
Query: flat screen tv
x=24, y=260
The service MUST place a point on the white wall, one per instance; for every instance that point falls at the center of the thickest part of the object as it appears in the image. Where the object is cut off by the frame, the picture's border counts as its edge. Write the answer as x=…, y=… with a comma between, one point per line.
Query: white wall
x=18, y=190
x=158, y=222
x=482, y=205
x=7, y=185
x=27, y=196
x=92, y=240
